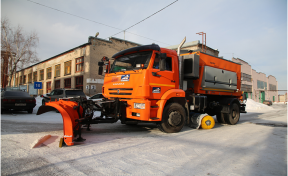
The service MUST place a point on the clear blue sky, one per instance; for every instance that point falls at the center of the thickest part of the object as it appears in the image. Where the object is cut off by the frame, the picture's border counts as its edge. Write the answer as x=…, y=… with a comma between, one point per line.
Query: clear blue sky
x=252, y=30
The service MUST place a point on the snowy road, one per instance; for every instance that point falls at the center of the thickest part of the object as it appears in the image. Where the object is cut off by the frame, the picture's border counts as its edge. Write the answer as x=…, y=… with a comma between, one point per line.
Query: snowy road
x=257, y=145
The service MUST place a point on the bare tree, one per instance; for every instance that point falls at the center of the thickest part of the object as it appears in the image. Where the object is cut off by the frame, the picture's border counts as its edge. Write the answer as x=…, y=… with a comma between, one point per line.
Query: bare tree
x=18, y=46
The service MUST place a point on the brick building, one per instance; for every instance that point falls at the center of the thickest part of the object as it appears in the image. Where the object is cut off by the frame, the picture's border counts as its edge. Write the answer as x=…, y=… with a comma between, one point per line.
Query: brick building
x=75, y=68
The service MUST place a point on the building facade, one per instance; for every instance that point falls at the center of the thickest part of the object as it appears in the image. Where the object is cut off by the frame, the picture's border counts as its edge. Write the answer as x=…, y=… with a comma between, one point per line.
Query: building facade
x=256, y=85
x=75, y=68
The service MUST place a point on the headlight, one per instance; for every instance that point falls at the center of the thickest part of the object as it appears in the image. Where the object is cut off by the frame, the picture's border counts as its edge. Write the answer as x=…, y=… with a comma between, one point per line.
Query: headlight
x=139, y=105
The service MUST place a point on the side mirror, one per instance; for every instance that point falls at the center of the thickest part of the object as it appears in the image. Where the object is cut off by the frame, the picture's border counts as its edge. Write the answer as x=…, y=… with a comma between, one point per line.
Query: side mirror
x=100, y=71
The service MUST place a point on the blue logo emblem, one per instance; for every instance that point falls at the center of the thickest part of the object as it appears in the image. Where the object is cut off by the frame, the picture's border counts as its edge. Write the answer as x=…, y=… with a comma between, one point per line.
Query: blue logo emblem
x=156, y=90
x=125, y=77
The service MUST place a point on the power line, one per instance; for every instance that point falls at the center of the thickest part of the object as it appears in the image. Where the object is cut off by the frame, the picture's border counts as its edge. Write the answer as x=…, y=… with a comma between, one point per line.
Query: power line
x=145, y=18
x=74, y=15
x=103, y=23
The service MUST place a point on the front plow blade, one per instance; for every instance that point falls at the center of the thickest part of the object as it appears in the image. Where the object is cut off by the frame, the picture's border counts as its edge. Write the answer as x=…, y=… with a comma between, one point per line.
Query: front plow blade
x=69, y=113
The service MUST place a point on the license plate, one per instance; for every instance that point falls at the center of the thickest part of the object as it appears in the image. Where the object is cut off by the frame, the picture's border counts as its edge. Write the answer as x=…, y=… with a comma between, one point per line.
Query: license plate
x=20, y=104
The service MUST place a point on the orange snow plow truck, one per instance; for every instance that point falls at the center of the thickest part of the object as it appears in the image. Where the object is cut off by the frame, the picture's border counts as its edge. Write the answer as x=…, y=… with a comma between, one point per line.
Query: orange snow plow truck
x=152, y=84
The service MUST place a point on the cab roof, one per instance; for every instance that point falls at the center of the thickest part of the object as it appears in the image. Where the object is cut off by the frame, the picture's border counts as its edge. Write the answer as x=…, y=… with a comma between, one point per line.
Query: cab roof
x=136, y=49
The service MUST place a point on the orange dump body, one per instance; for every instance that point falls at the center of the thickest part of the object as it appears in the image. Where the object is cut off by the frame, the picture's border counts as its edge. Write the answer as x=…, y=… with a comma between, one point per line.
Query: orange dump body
x=219, y=63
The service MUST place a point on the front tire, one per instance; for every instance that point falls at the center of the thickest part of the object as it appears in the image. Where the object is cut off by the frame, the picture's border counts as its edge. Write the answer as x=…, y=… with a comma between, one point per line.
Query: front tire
x=173, y=118
x=233, y=117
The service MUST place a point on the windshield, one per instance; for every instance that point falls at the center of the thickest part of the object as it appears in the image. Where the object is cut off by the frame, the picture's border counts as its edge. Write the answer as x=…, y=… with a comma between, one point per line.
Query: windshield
x=131, y=62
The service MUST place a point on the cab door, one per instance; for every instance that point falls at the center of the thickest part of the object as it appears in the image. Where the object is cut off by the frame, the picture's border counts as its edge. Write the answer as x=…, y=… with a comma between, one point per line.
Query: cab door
x=162, y=81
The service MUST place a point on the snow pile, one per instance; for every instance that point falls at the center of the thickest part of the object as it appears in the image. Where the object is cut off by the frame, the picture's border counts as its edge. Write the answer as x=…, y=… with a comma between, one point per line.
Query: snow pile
x=251, y=105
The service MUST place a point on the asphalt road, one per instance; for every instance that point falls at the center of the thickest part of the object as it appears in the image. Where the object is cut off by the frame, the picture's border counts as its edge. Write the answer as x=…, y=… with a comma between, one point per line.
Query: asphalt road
x=257, y=145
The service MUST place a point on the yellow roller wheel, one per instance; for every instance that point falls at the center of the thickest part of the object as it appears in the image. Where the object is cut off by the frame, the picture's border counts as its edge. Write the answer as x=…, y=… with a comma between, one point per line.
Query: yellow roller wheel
x=207, y=122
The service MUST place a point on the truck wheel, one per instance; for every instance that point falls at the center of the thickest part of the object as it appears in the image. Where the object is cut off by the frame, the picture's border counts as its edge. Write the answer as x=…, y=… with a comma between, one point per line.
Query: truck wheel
x=220, y=117
x=234, y=115
x=173, y=118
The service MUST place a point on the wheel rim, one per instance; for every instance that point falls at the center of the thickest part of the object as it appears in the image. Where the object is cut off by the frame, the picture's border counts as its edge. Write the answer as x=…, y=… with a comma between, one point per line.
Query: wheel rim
x=174, y=118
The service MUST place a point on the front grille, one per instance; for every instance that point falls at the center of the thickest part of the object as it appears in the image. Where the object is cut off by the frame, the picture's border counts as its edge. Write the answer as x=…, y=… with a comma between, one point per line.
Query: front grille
x=120, y=91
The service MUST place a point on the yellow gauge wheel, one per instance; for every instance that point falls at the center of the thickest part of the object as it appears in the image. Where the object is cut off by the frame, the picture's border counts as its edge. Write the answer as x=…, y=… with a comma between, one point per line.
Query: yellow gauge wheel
x=207, y=122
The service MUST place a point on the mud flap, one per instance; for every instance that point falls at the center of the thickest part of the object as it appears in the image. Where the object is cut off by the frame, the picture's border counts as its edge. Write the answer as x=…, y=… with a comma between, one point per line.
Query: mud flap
x=69, y=114
x=197, y=120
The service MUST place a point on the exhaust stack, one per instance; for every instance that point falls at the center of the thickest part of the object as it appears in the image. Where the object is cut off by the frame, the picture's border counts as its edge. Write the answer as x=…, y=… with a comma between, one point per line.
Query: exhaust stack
x=181, y=71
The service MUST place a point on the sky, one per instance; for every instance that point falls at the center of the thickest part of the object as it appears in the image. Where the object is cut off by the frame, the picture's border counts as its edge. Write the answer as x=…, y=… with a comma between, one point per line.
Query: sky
x=252, y=30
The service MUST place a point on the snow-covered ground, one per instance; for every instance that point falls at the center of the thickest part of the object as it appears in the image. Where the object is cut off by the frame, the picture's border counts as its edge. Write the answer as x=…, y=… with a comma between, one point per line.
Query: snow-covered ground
x=52, y=117
x=248, y=148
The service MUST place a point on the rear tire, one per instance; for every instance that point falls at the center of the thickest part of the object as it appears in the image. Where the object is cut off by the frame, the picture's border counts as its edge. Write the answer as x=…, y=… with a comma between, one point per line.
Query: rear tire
x=30, y=111
x=234, y=115
x=173, y=118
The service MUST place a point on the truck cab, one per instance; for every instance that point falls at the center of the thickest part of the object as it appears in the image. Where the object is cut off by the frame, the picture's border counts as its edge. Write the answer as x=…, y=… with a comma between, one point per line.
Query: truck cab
x=143, y=79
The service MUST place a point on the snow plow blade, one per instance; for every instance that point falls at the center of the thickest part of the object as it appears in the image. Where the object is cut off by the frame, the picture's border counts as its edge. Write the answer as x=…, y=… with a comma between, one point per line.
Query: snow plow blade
x=70, y=114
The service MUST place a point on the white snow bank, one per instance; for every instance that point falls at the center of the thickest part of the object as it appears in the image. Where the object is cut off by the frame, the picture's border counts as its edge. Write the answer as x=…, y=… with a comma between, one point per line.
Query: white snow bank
x=251, y=105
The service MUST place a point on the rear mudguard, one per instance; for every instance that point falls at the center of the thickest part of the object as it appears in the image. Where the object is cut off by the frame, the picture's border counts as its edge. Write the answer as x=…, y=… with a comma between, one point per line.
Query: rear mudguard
x=68, y=110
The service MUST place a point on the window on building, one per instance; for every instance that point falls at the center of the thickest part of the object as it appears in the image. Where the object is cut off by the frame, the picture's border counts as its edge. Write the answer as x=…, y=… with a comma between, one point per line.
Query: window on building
x=57, y=70
x=246, y=77
x=49, y=72
x=67, y=68
x=57, y=84
x=20, y=80
x=41, y=75
x=24, y=79
x=272, y=87
x=35, y=76
x=48, y=87
x=79, y=64
x=67, y=83
x=30, y=78
x=79, y=82
x=16, y=81
x=261, y=85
